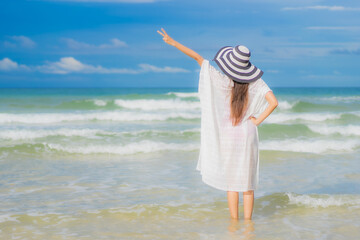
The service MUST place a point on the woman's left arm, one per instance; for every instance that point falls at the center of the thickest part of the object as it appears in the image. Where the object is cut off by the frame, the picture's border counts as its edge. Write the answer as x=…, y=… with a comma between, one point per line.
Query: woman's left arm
x=273, y=103
x=181, y=47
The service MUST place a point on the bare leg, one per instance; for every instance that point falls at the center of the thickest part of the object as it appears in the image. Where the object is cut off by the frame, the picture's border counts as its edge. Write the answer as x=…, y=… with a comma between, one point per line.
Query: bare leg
x=248, y=204
x=233, y=201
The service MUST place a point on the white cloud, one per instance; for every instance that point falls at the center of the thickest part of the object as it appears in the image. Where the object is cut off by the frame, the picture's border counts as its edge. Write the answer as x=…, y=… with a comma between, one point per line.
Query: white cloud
x=114, y=43
x=334, y=28
x=150, y=68
x=71, y=43
x=7, y=64
x=9, y=44
x=68, y=65
x=329, y=8
x=20, y=41
x=71, y=65
x=353, y=51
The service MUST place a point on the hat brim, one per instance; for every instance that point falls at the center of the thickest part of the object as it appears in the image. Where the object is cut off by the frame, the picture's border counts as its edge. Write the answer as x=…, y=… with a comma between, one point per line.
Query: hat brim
x=236, y=72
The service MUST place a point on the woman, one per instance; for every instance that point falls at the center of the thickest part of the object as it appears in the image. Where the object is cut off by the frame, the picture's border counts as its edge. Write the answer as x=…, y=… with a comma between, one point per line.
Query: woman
x=230, y=102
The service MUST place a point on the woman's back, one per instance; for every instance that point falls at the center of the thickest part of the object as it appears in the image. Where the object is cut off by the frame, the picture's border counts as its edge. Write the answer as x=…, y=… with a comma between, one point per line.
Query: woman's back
x=228, y=157
x=223, y=86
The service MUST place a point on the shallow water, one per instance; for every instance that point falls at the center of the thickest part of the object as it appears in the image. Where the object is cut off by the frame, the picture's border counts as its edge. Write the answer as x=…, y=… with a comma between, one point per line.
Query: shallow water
x=120, y=164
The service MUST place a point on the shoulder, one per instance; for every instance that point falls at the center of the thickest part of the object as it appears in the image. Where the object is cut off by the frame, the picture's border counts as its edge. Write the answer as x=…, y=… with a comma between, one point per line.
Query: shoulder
x=217, y=76
x=215, y=72
x=258, y=83
x=224, y=79
x=206, y=65
x=259, y=86
x=204, y=62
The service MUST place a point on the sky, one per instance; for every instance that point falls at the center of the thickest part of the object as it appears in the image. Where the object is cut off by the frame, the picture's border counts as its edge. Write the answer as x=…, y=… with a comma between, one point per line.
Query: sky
x=114, y=43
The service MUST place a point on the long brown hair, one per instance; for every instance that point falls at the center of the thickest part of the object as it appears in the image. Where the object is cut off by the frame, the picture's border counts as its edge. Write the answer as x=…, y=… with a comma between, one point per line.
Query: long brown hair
x=238, y=101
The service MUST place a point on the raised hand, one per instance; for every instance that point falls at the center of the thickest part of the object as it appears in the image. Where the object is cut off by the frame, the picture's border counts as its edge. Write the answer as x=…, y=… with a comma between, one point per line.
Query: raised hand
x=181, y=47
x=166, y=37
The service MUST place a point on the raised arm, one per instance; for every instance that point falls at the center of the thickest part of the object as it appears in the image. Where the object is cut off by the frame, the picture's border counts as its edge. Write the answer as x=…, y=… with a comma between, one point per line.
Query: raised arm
x=181, y=47
x=270, y=97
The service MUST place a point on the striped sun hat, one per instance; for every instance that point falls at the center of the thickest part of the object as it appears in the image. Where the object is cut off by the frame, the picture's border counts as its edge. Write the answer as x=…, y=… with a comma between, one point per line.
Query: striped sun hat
x=234, y=62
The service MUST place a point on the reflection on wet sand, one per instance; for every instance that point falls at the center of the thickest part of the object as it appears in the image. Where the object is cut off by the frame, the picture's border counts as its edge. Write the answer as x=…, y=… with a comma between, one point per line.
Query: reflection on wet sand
x=242, y=228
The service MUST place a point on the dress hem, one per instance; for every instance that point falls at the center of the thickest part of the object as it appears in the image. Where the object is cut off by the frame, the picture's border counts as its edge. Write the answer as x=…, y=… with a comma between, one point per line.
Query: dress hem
x=209, y=183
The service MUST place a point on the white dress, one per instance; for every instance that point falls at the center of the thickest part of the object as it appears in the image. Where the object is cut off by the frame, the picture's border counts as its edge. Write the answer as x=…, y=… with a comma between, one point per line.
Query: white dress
x=229, y=155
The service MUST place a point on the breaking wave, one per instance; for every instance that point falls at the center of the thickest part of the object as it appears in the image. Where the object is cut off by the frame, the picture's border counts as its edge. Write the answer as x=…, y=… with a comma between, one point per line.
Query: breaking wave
x=184, y=94
x=311, y=117
x=131, y=148
x=347, y=130
x=44, y=118
x=149, y=104
x=323, y=200
x=311, y=146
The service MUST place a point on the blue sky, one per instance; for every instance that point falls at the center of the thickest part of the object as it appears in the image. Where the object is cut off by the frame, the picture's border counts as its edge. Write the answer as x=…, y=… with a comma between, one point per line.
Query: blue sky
x=114, y=43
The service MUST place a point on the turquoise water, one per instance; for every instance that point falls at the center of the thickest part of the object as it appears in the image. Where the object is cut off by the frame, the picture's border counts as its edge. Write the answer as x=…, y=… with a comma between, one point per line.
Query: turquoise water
x=120, y=164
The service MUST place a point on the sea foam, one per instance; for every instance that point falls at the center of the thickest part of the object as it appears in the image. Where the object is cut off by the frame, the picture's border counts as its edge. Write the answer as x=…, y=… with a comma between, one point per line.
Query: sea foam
x=184, y=94
x=144, y=146
x=44, y=118
x=28, y=134
x=99, y=102
x=310, y=146
x=8, y=217
x=315, y=117
x=323, y=200
x=21, y=134
x=345, y=130
x=342, y=98
x=151, y=104
x=285, y=105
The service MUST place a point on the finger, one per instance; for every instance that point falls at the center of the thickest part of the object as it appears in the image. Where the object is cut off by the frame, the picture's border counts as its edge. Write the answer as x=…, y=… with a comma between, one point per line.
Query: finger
x=161, y=33
x=164, y=31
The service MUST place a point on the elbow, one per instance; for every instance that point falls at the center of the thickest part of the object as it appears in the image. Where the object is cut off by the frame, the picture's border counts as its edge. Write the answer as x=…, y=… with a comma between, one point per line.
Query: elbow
x=275, y=104
x=199, y=60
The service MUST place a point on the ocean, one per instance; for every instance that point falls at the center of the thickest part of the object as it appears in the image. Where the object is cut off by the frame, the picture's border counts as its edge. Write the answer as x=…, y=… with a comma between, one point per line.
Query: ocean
x=120, y=164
